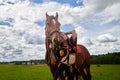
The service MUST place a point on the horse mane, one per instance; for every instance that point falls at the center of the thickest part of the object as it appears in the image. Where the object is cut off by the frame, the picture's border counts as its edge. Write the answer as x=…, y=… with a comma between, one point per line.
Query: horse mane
x=47, y=48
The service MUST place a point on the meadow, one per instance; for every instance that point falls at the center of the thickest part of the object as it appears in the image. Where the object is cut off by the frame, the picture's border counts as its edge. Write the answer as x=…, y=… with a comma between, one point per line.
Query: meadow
x=42, y=72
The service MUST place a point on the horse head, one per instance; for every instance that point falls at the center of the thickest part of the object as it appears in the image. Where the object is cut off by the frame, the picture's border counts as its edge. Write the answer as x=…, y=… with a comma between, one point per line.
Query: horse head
x=53, y=29
x=52, y=23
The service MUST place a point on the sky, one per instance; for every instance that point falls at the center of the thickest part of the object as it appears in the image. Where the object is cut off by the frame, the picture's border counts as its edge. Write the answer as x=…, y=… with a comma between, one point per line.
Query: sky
x=22, y=26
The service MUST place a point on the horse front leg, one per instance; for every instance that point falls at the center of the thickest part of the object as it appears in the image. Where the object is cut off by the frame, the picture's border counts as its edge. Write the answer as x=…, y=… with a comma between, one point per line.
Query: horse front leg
x=53, y=69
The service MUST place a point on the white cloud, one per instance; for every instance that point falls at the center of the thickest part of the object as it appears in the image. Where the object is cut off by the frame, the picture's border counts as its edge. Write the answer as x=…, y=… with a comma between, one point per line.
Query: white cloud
x=114, y=30
x=99, y=5
x=106, y=38
x=24, y=39
x=110, y=14
x=84, y=40
x=79, y=29
x=22, y=42
x=93, y=7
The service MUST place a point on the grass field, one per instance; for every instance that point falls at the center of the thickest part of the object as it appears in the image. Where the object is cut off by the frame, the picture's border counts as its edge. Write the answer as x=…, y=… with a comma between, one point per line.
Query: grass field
x=24, y=72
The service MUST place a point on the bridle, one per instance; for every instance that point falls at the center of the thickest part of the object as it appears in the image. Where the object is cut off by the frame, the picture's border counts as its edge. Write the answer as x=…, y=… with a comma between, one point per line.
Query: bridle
x=56, y=41
x=53, y=31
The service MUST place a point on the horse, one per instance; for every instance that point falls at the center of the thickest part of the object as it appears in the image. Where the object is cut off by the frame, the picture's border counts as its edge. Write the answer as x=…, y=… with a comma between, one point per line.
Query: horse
x=52, y=31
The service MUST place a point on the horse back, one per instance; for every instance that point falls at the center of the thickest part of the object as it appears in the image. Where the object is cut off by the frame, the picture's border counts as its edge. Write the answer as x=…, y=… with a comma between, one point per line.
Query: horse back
x=83, y=57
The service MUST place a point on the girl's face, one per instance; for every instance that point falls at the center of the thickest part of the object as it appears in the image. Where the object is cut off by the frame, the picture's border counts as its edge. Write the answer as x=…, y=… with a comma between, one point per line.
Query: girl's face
x=63, y=36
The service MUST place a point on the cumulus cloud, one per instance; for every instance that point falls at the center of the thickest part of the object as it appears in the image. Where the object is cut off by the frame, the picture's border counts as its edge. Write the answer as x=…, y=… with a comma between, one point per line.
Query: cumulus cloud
x=85, y=41
x=106, y=7
x=106, y=38
x=99, y=5
x=80, y=29
x=22, y=39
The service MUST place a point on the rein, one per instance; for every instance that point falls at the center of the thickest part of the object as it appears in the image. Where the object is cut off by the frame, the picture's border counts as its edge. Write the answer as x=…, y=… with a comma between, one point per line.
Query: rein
x=55, y=30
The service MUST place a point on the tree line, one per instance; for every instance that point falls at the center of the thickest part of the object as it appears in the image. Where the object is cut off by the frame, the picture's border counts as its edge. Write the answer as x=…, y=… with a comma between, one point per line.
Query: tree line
x=110, y=58
x=30, y=62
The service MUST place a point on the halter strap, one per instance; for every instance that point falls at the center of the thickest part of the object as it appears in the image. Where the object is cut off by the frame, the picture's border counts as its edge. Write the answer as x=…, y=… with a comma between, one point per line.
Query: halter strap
x=55, y=30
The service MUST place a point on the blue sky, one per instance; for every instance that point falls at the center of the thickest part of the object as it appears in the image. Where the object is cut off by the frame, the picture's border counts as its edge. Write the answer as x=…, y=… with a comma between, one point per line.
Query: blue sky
x=71, y=2
x=22, y=26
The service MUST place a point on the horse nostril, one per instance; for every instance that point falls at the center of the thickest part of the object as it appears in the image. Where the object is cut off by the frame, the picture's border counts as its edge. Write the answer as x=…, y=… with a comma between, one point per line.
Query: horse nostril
x=55, y=40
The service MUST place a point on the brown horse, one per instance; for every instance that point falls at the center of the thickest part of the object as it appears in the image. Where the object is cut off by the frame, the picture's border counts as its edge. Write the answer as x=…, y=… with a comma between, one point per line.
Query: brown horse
x=82, y=59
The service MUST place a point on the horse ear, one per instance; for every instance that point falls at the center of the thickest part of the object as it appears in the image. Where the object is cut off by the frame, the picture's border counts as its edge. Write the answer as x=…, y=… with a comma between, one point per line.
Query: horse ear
x=56, y=15
x=47, y=15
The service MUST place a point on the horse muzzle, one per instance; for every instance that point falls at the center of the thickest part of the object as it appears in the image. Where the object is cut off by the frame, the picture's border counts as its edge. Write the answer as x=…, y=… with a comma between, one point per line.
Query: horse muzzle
x=56, y=42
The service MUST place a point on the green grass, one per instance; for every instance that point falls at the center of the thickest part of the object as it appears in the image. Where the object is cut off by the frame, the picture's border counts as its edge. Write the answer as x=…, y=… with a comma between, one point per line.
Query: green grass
x=105, y=72
x=23, y=72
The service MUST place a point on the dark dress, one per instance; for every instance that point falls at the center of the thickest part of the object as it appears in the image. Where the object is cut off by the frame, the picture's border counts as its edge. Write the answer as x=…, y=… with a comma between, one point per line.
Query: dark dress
x=65, y=70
